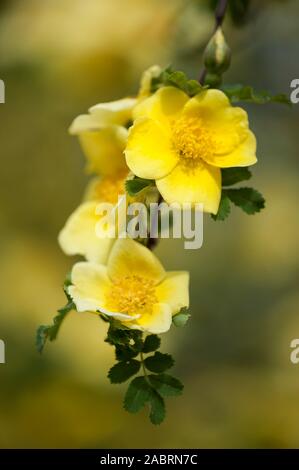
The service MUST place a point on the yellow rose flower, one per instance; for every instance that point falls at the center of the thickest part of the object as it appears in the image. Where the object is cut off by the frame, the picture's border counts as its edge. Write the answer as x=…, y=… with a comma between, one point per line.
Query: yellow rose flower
x=103, y=135
x=133, y=288
x=103, y=138
x=184, y=142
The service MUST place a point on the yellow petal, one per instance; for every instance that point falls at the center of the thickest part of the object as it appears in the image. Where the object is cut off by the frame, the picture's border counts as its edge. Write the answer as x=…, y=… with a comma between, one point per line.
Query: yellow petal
x=210, y=100
x=123, y=317
x=78, y=237
x=104, y=114
x=90, y=283
x=156, y=322
x=129, y=257
x=149, y=152
x=115, y=112
x=243, y=155
x=104, y=149
x=174, y=290
x=146, y=80
x=84, y=123
x=226, y=125
x=163, y=106
x=201, y=184
x=90, y=193
x=229, y=128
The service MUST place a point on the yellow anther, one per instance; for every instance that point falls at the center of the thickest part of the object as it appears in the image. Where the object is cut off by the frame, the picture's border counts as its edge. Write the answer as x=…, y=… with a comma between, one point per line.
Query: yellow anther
x=131, y=295
x=110, y=187
x=192, y=140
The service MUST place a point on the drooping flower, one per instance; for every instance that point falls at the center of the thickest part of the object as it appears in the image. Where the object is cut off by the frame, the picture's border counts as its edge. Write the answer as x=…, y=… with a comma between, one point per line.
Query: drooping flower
x=183, y=143
x=103, y=135
x=133, y=288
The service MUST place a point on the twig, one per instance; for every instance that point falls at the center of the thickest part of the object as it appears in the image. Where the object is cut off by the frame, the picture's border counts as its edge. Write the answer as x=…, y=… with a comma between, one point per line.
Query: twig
x=219, y=17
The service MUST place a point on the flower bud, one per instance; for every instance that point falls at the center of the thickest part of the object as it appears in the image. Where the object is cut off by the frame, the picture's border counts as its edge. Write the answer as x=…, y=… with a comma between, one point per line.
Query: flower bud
x=217, y=54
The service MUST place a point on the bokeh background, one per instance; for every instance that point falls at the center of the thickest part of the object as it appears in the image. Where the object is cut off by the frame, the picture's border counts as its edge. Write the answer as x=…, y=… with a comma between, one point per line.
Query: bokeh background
x=58, y=57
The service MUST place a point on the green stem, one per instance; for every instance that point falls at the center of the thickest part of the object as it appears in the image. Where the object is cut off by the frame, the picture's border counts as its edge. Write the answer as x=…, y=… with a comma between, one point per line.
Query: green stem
x=152, y=242
x=144, y=368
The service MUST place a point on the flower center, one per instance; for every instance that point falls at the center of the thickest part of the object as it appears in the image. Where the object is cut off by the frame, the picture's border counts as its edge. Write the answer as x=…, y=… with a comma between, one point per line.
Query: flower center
x=192, y=140
x=131, y=295
x=110, y=187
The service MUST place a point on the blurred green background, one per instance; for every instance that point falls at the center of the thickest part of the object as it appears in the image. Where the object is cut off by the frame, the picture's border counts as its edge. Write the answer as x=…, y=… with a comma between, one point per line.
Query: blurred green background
x=58, y=57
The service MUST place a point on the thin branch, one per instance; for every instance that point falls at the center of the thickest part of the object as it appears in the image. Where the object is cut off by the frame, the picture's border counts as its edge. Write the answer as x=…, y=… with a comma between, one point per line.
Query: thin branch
x=220, y=12
x=219, y=17
x=143, y=368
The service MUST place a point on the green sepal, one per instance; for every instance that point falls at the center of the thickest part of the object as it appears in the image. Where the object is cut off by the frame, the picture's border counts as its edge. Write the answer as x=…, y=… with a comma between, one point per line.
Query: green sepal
x=136, y=185
x=181, y=318
x=178, y=79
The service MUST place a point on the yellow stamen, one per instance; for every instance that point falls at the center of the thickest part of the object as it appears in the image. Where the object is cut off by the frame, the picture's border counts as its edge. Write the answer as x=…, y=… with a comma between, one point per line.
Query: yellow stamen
x=110, y=187
x=131, y=295
x=192, y=140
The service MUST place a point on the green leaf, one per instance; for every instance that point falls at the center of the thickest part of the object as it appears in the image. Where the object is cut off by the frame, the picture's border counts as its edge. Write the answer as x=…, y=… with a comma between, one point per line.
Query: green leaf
x=122, y=371
x=124, y=353
x=178, y=79
x=158, y=411
x=137, y=395
x=50, y=332
x=151, y=343
x=248, y=199
x=181, y=318
x=240, y=92
x=235, y=175
x=119, y=335
x=224, y=208
x=135, y=185
x=159, y=362
x=166, y=385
